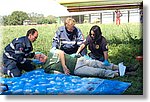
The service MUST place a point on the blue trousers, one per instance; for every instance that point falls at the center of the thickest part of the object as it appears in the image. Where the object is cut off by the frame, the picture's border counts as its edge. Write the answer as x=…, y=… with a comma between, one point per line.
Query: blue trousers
x=14, y=69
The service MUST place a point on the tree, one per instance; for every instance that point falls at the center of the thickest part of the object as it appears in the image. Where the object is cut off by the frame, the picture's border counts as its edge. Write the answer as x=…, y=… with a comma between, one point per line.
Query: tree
x=16, y=18
x=51, y=18
x=6, y=20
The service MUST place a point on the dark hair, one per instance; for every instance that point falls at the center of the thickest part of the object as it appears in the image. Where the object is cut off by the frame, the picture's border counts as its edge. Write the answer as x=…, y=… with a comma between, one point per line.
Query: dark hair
x=97, y=30
x=31, y=31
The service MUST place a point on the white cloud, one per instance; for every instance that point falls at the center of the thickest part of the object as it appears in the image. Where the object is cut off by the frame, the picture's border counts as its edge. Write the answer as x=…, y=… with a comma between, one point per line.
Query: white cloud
x=46, y=7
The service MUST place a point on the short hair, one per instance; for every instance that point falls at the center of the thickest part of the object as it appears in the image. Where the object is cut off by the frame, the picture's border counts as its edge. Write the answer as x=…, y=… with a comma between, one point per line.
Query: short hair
x=31, y=31
x=69, y=20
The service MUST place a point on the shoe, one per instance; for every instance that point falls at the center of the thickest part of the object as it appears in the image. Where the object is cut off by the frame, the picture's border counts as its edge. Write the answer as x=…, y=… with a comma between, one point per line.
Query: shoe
x=122, y=69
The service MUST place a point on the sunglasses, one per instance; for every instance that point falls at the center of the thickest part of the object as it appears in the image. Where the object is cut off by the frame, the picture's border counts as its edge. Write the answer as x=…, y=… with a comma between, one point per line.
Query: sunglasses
x=92, y=34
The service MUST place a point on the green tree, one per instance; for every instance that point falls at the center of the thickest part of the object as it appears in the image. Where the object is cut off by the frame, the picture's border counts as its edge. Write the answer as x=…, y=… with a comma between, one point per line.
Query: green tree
x=16, y=18
x=6, y=20
x=43, y=20
x=51, y=18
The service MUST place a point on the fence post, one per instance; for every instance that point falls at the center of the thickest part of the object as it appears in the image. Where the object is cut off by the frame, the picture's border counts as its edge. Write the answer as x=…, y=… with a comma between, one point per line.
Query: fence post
x=128, y=16
x=101, y=18
x=89, y=18
x=113, y=17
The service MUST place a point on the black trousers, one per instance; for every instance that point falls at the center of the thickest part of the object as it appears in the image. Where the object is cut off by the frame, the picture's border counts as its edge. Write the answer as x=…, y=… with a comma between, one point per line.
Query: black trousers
x=14, y=69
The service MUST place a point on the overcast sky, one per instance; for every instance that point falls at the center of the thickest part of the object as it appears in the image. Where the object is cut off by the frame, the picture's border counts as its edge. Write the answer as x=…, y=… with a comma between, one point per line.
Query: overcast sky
x=46, y=7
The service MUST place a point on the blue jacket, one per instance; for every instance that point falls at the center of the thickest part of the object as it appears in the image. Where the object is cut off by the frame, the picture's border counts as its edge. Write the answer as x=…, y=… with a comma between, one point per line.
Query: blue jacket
x=69, y=43
x=19, y=50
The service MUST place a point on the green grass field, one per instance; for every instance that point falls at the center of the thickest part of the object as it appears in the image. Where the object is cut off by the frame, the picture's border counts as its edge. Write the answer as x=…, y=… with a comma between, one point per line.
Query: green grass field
x=124, y=41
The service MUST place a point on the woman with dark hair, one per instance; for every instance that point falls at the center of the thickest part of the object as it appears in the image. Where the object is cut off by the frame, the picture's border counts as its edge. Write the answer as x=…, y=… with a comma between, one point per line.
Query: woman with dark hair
x=97, y=45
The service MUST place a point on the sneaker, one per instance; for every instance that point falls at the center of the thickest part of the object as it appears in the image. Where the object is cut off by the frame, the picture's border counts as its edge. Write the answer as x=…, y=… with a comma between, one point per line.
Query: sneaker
x=122, y=69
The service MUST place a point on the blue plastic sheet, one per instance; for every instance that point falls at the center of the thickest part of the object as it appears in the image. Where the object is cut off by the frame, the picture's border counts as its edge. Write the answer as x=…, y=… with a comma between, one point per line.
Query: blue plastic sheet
x=38, y=82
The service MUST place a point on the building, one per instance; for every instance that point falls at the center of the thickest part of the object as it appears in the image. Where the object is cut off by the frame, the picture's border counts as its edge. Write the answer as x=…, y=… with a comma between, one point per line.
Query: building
x=97, y=11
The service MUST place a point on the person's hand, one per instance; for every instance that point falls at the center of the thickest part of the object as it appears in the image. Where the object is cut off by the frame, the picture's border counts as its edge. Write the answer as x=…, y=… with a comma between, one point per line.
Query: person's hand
x=106, y=63
x=66, y=70
x=36, y=61
x=77, y=55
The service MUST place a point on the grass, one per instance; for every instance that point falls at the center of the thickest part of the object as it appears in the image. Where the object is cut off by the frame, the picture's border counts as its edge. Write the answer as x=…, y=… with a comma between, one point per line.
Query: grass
x=125, y=43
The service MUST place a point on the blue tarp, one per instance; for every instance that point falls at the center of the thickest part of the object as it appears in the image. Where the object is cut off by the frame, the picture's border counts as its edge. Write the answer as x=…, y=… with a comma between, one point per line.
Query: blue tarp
x=38, y=82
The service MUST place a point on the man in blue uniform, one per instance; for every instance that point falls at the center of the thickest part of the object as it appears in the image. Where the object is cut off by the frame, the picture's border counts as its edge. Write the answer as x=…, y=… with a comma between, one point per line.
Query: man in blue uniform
x=16, y=54
x=68, y=38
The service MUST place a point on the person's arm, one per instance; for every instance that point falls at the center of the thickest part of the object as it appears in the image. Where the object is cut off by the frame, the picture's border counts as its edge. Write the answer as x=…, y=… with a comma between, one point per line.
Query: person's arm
x=80, y=37
x=30, y=55
x=20, y=55
x=63, y=63
x=83, y=45
x=120, y=14
x=106, y=63
x=105, y=52
x=105, y=55
x=80, y=48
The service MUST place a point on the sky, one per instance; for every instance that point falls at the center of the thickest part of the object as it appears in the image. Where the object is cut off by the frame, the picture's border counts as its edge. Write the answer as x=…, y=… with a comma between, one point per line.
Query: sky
x=46, y=7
